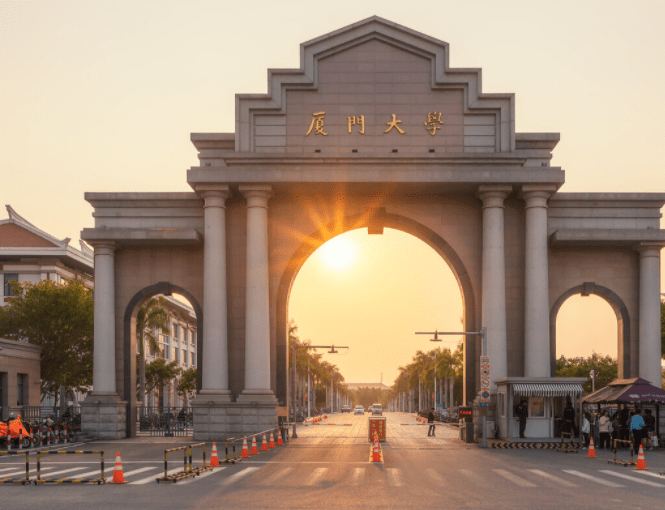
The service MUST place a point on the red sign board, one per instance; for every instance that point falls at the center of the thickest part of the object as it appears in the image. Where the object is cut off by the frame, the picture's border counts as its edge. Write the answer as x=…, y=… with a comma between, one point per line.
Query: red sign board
x=378, y=425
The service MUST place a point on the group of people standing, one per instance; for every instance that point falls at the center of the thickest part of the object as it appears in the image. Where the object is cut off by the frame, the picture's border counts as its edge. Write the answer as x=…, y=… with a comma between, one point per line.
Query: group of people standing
x=623, y=425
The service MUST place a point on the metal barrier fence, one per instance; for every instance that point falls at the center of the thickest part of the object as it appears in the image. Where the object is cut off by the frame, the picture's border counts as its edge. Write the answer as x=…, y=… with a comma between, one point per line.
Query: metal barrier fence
x=164, y=421
x=571, y=448
x=282, y=431
x=27, y=469
x=188, y=469
x=98, y=481
x=614, y=449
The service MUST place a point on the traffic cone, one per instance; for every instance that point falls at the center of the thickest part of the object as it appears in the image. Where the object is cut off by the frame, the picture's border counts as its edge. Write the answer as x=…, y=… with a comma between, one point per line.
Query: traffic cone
x=376, y=449
x=279, y=439
x=271, y=444
x=245, y=452
x=592, y=451
x=118, y=476
x=264, y=443
x=640, y=460
x=214, y=460
x=255, y=450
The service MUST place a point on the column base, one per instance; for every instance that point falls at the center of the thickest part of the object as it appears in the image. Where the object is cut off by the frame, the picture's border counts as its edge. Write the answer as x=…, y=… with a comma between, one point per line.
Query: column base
x=219, y=421
x=250, y=397
x=104, y=416
x=213, y=396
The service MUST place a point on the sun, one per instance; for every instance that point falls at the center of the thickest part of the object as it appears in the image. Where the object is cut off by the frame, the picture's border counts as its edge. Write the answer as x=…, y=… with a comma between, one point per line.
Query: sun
x=338, y=252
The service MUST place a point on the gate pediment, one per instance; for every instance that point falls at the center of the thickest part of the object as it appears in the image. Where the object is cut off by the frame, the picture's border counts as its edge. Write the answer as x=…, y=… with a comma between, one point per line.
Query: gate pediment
x=374, y=87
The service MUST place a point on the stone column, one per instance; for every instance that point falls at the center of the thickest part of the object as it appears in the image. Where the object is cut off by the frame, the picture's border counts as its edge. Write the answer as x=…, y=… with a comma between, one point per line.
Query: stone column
x=650, y=342
x=215, y=369
x=494, y=278
x=103, y=364
x=536, y=292
x=257, y=311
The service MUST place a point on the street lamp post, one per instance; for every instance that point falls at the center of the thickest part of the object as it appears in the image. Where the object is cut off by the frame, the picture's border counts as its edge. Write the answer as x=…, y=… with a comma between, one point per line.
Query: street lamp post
x=293, y=397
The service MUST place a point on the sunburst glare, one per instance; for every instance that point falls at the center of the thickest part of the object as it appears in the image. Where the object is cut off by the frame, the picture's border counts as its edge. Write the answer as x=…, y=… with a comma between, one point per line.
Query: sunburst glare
x=339, y=252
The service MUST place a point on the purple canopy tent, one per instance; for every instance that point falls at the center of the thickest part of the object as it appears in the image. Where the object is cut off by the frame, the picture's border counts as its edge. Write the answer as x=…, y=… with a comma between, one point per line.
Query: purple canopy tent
x=629, y=391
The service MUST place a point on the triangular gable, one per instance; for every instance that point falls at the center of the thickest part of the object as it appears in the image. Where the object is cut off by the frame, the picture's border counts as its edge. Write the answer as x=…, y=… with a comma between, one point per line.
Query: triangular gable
x=17, y=232
x=374, y=68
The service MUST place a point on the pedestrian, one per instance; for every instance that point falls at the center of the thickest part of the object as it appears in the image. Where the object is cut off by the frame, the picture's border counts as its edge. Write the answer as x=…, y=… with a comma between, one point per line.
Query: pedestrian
x=616, y=427
x=604, y=425
x=586, y=429
x=569, y=417
x=624, y=432
x=522, y=411
x=637, y=428
x=430, y=420
x=650, y=423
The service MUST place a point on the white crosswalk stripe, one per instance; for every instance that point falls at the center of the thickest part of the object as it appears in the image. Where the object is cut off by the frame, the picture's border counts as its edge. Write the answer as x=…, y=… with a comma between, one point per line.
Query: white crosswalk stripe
x=508, y=475
x=33, y=471
x=470, y=474
x=358, y=476
x=153, y=477
x=601, y=481
x=316, y=474
x=651, y=473
x=632, y=478
x=553, y=478
x=63, y=471
x=202, y=475
x=276, y=476
x=395, y=478
x=436, y=476
x=137, y=471
x=240, y=474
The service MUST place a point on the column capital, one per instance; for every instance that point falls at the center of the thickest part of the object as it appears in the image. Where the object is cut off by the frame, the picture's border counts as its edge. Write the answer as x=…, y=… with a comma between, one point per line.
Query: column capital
x=649, y=249
x=536, y=195
x=257, y=195
x=214, y=195
x=103, y=247
x=493, y=195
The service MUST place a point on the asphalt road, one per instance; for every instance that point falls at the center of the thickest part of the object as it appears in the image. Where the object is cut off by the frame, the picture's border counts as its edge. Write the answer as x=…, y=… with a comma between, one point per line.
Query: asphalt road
x=328, y=467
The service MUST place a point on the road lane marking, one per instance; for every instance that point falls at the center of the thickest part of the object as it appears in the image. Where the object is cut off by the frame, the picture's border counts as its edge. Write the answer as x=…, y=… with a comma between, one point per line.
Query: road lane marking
x=240, y=474
x=276, y=476
x=552, y=477
x=22, y=471
x=64, y=471
x=436, y=476
x=394, y=475
x=601, y=481
x=508, y=475
x=318, y=473
x=659, y=476
x=153, y=478
x=632, y=478
x=358, y=476
x=471, y=474
x=137, y=471
x=202, y=475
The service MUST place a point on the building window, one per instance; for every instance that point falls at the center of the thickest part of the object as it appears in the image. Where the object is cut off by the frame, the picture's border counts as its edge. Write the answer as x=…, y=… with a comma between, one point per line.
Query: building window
x=21, y=388
x=176, y=352
x=193, y=363
x=9, y=288
x=185, y=335
x=176, y=332
x=193, y=337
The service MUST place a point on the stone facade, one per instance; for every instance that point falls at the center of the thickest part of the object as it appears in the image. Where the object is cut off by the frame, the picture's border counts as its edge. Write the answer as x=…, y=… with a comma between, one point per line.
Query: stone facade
x=321, y=154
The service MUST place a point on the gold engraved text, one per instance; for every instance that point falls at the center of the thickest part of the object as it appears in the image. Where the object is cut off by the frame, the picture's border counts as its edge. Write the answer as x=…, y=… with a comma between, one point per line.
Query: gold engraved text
x=317, y=124
x=360, y=121
x=393, y=124
x=432, y=119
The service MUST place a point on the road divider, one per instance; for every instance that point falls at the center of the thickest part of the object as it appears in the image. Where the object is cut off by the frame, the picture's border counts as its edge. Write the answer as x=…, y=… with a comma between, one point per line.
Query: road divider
x=188, y=470
x=571, y=446
x=619, y=461
x=41, y=480
x=22, y=481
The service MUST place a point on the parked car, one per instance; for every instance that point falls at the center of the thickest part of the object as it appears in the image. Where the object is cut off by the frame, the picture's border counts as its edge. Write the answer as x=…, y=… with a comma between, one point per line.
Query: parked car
x=377, y=409
x=359, y=410
x=346, y=409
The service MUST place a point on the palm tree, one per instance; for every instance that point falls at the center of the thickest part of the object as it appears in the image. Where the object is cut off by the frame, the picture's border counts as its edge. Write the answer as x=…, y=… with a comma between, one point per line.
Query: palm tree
x=151, y=317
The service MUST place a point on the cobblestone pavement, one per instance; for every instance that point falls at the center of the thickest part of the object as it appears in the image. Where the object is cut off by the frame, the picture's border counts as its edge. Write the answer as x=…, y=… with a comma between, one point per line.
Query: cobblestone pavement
x=348, y=428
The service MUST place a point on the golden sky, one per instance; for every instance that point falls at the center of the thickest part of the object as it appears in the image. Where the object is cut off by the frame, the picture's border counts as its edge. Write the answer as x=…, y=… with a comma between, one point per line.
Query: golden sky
x=102, y=96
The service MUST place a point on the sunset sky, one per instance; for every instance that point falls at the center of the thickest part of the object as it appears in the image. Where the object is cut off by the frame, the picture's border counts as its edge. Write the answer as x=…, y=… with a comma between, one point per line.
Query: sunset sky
x=103, y=96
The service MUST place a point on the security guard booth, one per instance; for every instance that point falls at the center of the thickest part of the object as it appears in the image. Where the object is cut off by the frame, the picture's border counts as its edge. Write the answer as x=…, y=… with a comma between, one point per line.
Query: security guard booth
x=546, y=399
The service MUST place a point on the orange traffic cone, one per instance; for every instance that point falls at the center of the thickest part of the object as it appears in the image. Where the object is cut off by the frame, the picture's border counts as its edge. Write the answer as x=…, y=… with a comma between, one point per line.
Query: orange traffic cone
x=592, y=451
x=640, y=460
x=118, y=476
x=325, y=417
x=279, y=439
x=254, y=450
x=214, y=460
x=376, y=449
x=245, y=452
x=264, y=444
x=271, y=444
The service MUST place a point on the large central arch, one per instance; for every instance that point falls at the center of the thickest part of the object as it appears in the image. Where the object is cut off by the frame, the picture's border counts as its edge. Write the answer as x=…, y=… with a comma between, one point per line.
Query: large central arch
x=375, y=222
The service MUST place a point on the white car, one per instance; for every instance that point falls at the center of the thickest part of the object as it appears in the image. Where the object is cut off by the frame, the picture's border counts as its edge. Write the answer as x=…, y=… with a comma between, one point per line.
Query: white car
x=359, y=410
x=377, y=409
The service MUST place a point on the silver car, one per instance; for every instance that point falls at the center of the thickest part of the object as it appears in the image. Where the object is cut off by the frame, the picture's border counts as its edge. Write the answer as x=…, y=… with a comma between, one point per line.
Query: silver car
x=377, y=409
x=359, y=410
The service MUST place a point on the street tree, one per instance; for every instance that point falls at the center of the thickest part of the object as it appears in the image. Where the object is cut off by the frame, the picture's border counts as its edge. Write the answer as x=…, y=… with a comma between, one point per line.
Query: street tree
x=151, y=318
x=606, y=369
x=187, y=384
x=160, y=372
x=60, y=319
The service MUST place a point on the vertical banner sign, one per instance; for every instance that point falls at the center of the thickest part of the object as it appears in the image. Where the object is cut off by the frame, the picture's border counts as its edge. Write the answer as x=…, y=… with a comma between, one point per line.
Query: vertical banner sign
x=484, y=381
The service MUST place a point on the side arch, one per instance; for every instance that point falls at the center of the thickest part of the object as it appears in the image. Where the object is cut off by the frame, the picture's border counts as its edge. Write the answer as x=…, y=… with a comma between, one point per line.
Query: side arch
x=375, y=222
x=623, y=323
x=129, y=322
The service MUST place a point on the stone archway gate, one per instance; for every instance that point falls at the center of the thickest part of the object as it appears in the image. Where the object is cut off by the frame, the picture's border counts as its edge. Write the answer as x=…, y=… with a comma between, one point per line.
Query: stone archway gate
x=376, y=128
